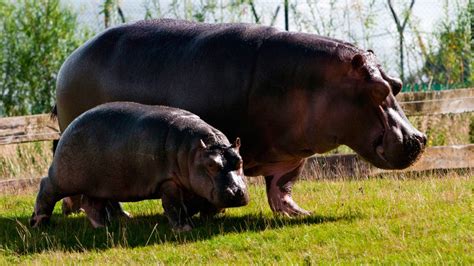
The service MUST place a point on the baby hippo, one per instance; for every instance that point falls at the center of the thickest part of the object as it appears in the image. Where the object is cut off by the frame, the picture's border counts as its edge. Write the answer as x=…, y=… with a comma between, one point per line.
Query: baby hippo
x=123, y=151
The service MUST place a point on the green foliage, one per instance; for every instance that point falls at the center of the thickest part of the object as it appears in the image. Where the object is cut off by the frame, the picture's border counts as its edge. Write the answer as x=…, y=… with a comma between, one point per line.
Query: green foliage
x=35, y=38
x=110, y=17
x=436, y=137
x=426, y=220
x=447, y=59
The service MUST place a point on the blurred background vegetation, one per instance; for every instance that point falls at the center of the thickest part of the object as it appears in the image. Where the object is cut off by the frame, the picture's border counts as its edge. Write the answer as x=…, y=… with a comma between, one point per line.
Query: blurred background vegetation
x=37, y=35
x=35, y=38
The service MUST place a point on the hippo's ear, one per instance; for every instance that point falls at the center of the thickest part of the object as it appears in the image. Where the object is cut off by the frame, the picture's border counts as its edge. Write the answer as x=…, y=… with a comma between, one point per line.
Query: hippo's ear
x=395, y=83
x=236, y=144
x=397, y=86
x=379, y=92
x=357, y=61
x=202, y=145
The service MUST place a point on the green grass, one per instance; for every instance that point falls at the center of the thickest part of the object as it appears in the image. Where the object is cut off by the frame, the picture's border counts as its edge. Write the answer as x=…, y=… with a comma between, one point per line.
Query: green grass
x=426, y=220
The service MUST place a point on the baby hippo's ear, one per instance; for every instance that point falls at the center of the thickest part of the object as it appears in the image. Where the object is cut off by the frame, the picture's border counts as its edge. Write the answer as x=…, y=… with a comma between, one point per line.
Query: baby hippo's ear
x=202, y=145
x=236, y=144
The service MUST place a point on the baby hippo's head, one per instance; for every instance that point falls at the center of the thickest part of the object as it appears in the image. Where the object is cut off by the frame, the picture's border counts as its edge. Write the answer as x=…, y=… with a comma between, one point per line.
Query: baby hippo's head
x=217, y=175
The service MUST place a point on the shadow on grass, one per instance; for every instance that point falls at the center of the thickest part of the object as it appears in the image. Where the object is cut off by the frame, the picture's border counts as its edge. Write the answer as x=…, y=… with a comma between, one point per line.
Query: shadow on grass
x=76, y=234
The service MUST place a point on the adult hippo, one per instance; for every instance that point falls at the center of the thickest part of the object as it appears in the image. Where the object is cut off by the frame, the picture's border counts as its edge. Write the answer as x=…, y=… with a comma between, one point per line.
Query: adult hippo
x=287, y=95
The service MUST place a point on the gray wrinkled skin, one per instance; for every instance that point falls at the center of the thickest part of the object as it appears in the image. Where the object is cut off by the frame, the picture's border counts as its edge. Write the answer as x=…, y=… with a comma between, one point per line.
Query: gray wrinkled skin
x=122, y=151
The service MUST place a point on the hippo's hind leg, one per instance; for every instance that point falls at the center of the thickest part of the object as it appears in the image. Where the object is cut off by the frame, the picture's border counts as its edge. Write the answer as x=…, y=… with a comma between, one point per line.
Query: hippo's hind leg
x=73, y=204
x=45, y=201
x=95, y=211
x=70, y=204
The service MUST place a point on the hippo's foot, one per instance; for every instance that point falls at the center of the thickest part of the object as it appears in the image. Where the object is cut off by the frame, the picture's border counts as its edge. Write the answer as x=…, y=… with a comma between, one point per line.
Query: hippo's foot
x=39, y=220
x=72, y=205
x=114, y=210
x=182, y=228
x=279, y=191
x=282, y=203
x=209, y=211
x=95, y=211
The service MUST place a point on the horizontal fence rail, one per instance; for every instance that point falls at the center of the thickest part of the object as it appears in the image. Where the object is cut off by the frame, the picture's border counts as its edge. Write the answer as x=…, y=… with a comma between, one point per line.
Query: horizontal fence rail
x=18, y=186
x=28, y=129
x=435, y=95
x=437, y=102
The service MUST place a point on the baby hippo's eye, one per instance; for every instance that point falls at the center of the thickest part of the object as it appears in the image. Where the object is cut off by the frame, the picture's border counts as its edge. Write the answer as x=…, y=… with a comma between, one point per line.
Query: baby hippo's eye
x=214, y=165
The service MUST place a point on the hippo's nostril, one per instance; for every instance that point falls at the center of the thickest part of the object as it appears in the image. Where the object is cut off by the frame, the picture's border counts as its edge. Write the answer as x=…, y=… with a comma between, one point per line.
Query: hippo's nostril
x=422, y=139
x=239, y=193
x=229, y=192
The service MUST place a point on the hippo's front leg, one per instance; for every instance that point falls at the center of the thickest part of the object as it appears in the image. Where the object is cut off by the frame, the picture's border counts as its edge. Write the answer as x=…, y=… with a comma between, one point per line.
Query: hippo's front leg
x=279, y=188
x=175, y=209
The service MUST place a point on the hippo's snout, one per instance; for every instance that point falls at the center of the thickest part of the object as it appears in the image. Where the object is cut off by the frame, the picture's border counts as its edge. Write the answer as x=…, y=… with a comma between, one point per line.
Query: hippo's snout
x=235, y=197
x=401, y=151
x=422, y=139
x=234, y=192
x=413, y=146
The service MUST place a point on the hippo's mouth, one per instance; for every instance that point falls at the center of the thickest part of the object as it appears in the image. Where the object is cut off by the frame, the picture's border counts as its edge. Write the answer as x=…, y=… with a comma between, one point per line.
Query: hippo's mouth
x=378, y=147
x=379, y=141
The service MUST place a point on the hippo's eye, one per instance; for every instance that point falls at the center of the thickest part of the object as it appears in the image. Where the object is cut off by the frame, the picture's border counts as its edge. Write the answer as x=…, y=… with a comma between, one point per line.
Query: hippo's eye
x=214, y=165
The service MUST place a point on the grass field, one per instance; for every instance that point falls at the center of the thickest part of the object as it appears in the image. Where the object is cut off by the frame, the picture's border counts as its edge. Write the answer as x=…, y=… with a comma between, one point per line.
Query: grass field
x=387, y=220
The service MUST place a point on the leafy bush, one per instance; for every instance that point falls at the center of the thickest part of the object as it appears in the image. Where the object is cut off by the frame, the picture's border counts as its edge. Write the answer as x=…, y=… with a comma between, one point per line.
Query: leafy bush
x=35, y=38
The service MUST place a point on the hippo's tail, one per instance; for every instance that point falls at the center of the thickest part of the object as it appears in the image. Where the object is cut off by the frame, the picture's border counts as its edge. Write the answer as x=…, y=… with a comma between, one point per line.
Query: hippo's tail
x=54, y=116
x=54, y=113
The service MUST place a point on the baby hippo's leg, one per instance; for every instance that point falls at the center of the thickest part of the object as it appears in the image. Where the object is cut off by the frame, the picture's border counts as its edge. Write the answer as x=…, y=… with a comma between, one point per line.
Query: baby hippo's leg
x=208, y=211
x=45, y=201
x=95, y=211
x=203, y=206
x=71, y=204
x=175, y=209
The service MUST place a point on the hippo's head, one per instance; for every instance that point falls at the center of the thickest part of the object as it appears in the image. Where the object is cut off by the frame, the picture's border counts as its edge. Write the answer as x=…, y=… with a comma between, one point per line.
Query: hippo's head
x=368, y=118
x=217, y=175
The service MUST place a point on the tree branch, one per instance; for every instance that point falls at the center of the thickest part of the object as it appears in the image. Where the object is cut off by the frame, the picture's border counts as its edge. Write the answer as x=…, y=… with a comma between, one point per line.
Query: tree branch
x=400, y=26
x=408, y=14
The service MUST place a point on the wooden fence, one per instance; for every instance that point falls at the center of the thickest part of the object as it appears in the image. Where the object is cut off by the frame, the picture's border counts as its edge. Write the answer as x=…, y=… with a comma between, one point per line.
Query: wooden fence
x=43, y=128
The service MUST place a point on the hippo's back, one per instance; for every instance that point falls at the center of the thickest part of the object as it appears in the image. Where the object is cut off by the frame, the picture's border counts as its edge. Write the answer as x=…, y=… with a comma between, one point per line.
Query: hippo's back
x=124, y=122
x=204, y=68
